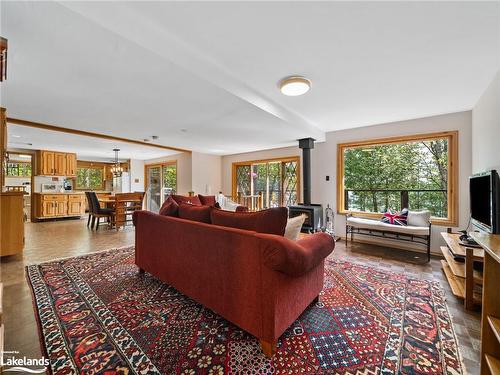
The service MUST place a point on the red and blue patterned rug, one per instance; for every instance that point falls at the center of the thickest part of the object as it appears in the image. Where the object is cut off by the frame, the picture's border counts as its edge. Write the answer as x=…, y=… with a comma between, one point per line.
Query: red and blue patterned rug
x=98, y=315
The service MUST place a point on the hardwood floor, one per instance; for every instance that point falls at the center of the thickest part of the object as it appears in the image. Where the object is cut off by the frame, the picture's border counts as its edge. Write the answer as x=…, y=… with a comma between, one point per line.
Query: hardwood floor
x=59, y=239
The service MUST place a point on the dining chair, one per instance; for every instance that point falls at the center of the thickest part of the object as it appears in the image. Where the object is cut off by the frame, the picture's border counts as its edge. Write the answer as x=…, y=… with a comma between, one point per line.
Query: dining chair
x=98, y=211
x=89, y=204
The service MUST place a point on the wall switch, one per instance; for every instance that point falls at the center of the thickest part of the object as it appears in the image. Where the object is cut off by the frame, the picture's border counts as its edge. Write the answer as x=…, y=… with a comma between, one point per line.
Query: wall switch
x=328, y=178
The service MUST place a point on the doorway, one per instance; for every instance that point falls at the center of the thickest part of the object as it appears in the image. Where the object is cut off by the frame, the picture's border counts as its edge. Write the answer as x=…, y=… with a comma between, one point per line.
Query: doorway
x=161, y=181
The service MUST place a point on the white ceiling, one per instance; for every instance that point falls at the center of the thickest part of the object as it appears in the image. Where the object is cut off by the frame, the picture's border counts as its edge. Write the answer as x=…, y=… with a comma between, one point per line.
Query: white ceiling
x=86, y=148
x=136, y=69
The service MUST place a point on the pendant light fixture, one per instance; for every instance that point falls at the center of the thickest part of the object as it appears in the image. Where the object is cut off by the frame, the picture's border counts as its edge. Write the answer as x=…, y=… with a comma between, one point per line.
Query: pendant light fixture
x=116, y=169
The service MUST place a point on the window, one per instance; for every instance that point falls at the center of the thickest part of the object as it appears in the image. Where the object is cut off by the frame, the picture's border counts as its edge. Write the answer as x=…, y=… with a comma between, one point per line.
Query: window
x=275, y=182
x=90, y=177
x=18, y=169
x=416, y=172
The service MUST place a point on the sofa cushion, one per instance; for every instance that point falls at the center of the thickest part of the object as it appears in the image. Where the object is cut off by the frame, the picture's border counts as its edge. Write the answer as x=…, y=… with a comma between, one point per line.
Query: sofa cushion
x=169, y=207
x=207, y=200
x=194, y=200
x=395, y=218
x=195, y=213
x=272, y=220
x=419, y=218
x=293, y=227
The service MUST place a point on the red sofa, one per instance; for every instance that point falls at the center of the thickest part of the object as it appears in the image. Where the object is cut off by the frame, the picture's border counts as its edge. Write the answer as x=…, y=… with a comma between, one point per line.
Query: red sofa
x=260, y=282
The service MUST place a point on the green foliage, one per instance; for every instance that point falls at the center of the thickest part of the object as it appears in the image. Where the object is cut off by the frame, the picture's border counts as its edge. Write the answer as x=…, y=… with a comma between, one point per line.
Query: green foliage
x=19, y=170
x=90, y=178
x=170, y=178
x=377, y=178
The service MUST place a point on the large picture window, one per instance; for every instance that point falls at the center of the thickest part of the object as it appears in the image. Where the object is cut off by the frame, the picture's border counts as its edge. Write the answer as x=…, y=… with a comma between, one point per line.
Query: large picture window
x=275, y=181
x=415, y=172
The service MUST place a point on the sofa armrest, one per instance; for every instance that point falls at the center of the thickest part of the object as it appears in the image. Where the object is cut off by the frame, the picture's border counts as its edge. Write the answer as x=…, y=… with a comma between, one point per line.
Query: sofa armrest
x=295, y=258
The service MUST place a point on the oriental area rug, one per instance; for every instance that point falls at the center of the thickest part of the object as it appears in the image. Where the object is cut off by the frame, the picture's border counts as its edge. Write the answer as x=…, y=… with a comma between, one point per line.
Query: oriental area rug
x=98, y=315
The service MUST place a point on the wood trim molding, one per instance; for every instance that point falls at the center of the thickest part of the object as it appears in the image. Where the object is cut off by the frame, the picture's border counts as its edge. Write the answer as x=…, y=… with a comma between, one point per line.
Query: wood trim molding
x=89, y=134
x=453, y=171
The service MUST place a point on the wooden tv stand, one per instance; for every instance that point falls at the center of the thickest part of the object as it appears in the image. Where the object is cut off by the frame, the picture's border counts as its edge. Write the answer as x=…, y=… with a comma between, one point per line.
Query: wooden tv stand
x=465, y=282
x=490, y=317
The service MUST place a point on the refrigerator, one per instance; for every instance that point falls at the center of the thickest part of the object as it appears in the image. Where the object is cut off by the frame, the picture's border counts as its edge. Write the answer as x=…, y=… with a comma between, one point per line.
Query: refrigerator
x=122, y=184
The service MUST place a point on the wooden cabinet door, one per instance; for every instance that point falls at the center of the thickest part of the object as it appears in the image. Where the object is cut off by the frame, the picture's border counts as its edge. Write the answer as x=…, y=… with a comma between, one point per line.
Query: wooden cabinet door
x=48, y=208
x=48, y=163
x=75, y=208
x=71, y=165
x=61, y=208
x=60, y=164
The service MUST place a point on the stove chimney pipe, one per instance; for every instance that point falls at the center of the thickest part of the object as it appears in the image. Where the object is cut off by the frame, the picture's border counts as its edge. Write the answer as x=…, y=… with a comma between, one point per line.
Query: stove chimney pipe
x=306, y=144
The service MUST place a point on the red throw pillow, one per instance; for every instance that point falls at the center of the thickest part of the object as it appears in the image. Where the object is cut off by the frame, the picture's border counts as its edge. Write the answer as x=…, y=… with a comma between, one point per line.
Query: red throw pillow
x=195, y=201
x=169, y=207
x=272, y=220
x=195, y=213
x=207, y=200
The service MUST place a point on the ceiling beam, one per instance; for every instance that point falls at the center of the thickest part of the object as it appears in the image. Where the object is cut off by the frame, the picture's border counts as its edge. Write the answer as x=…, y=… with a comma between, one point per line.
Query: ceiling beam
x=84, y=133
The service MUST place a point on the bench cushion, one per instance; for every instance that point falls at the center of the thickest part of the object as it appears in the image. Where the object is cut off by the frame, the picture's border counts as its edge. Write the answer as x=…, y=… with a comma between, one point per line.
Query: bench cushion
x=362, y=223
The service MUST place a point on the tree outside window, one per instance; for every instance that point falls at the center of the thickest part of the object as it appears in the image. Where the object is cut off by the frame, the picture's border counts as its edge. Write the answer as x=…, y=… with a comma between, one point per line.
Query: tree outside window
x=18, y=169
x=414, y=173
x=91, y=178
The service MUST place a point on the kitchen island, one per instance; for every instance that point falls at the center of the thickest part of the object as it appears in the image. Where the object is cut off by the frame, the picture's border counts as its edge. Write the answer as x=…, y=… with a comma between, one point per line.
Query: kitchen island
x=59, y=205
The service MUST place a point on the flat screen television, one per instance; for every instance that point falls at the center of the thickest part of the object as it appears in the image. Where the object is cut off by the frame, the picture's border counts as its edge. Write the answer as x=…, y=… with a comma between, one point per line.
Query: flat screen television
x=485, y=201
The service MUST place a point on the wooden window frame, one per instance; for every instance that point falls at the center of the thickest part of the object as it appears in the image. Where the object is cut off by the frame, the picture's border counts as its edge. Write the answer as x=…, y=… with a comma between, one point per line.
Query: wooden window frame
x=453, y=170
x=262, y=161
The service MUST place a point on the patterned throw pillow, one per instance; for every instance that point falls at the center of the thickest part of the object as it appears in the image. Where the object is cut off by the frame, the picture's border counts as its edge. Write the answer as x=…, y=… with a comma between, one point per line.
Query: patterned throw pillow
x=396, y=218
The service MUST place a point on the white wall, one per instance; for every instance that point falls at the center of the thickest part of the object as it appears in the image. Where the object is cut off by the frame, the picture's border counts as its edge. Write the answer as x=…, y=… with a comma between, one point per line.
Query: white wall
x=206, y=173
x=228, y=160
x=184, y=174
x=486, y=129
x=324, y=160
x=136, y=170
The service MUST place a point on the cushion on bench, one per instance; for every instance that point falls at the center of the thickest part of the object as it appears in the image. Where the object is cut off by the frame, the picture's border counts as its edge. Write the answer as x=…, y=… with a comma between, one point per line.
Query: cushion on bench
x=362, y=223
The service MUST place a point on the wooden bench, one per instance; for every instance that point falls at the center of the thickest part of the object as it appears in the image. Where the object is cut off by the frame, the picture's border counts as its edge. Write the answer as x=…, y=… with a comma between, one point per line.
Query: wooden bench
x=376, y=228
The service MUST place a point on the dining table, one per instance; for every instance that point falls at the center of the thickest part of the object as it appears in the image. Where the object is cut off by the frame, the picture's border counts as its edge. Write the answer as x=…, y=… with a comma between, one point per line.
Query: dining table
x=119, y=206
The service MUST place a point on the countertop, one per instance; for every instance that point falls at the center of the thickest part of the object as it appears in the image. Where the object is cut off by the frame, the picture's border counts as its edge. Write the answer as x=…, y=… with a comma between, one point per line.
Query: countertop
x=59, y=193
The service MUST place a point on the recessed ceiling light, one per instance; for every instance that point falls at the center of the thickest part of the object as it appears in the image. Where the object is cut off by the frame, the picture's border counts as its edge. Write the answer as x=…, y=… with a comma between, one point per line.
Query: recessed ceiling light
x=184, y=130
x=294, y=86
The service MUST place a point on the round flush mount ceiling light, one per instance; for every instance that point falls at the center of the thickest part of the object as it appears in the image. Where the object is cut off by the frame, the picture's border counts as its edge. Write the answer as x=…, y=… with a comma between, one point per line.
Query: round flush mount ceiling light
x=294, y=86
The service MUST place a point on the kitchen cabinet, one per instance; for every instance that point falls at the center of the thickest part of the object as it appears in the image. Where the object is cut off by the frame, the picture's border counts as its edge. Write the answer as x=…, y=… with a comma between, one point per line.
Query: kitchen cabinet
x=46, y=163
x=11, y=223
x=71, y=165
x=59, y=205
x=76, y=205
x=60, y=165
x=53, y=163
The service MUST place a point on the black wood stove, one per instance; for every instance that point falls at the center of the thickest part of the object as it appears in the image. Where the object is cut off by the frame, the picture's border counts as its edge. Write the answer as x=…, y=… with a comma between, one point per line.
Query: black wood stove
x=313, y=212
